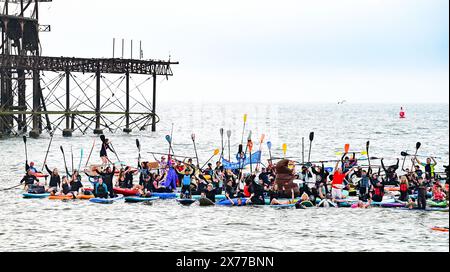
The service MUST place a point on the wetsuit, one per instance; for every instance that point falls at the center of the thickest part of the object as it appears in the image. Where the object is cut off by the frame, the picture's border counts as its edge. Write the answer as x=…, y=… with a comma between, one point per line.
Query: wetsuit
x=108, y=180
x=75, y=186
x=422, y=196
x=55, y=181
x=274, y=195
x=103, y=150
x=391, y=176
x=101, y=191
x=321, y=177
x=129, y=180
x=186, y=189
x=28, y=179
x=211, y=195
x=258, y=194
x=230, y=191
x=364, y=185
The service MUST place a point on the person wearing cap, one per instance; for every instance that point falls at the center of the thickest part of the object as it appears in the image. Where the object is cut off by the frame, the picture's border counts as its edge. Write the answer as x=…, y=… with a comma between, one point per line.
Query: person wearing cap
x=31, y=167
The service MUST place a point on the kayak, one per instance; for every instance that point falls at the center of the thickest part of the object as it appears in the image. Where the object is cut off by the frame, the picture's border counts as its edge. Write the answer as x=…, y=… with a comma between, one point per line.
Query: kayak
x=105, y=201
x=392, y=205
x=70, y=197
x=283, y=206
x=186, y=201
x=165, y=195
x=204, y=202
x=40, y=175
x=218, y=197
x=125, y=192
x=440, y=229
x=440, y=204
x=307, y=204
x=227, y=202
x=31, y=196
x=136, y=199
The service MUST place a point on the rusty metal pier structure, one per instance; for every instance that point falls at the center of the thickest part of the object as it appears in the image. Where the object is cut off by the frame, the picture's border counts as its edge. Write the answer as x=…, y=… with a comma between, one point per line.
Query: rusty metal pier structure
x=40, y=93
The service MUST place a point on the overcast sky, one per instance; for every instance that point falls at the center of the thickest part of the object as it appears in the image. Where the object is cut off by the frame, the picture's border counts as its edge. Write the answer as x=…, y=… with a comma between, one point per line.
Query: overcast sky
x=270, y=51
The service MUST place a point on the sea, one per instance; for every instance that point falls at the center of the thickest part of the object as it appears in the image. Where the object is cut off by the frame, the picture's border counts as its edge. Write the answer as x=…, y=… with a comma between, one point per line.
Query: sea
x=81, y=226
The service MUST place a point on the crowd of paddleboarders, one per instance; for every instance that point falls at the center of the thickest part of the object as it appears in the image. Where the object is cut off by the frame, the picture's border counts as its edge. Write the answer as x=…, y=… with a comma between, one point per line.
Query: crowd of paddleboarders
x=279, y=182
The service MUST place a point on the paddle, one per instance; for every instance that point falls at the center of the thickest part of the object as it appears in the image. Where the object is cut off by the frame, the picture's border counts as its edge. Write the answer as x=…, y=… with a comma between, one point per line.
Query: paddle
x=115, y=153
x=311, y=139
x=195, y=148
x=418, y=145
x=346, y=148
x=303, y=149
x=64, y=156
x=284, y=150
x=138, y=145
x=169, y=140
x=269, y=146
x=250, y=147
x=48, y=150
x=221, y=135
x=367, y=149
x=243, y=129
x=71, y=152
x=26, y=153
x=2, y=190
x=229, y=145
x=81, y=158
x=261, y=140
x=90, y=153
x=216, y=152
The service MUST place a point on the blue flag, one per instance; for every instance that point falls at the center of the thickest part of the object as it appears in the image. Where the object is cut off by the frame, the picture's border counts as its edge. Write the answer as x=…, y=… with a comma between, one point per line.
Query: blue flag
x=256, y=158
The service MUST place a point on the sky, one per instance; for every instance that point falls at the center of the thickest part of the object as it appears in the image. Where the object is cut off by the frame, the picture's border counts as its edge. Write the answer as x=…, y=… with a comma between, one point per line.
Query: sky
x=284, y=51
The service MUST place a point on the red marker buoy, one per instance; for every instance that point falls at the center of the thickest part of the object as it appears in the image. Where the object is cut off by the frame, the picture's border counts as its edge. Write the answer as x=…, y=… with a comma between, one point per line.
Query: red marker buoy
x=402, y=113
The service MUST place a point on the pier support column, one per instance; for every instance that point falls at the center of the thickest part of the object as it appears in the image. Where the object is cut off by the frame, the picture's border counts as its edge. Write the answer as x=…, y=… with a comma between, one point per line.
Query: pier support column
x=154, y=103
x=36, y=132
x=21, y=119
x=67, y=132
x=127, y=111
x=97, y=130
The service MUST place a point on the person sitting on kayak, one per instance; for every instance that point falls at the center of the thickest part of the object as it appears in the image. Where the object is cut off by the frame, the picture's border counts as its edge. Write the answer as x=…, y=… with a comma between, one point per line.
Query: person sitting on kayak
x=101, y=190
x=230, y=192
x=404, y=188
x=429, y=166
x=76, y=187
x=103, y=151
x=377, y=188
x=256, y=190
x=438, y=194
x=364, y=185
x=210, y=193
x=29, y=179
x=55, y=180
x=107, y=177
x=321, y=177
x=391, y=175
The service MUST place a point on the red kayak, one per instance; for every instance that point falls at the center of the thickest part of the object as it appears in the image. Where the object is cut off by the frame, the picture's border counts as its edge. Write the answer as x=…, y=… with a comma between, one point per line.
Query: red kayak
x=125, y=192
x=40, y=175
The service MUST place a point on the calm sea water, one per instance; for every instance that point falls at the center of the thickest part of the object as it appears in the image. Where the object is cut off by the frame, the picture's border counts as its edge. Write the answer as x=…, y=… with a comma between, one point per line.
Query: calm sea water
x=43, y=225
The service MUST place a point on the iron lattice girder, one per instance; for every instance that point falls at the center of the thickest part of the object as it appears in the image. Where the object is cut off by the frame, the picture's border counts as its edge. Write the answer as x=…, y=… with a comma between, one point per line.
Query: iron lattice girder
x=82, y=65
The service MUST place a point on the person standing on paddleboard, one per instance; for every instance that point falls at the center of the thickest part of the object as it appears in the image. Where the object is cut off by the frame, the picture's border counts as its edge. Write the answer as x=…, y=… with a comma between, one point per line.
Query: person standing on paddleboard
x=103, y=151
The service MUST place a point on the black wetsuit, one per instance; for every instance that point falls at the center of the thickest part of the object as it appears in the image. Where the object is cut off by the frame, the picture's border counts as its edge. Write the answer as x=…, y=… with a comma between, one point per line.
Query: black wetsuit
x=29, y=180
x=101, y=191
x=321, y=177
x=211, y=195
x=422, y=196
x=103, y=150
x=55, y=181
x=391, y=176
x=108, y=180
x=75, y=186
x=258, y=194
x=230, y=191
x=129, y=180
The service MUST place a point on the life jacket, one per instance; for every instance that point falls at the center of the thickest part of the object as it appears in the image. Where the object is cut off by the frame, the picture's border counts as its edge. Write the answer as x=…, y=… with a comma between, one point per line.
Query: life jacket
x=379, y=191
x=403, y=187
x=186, y=180
x=246, y=191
